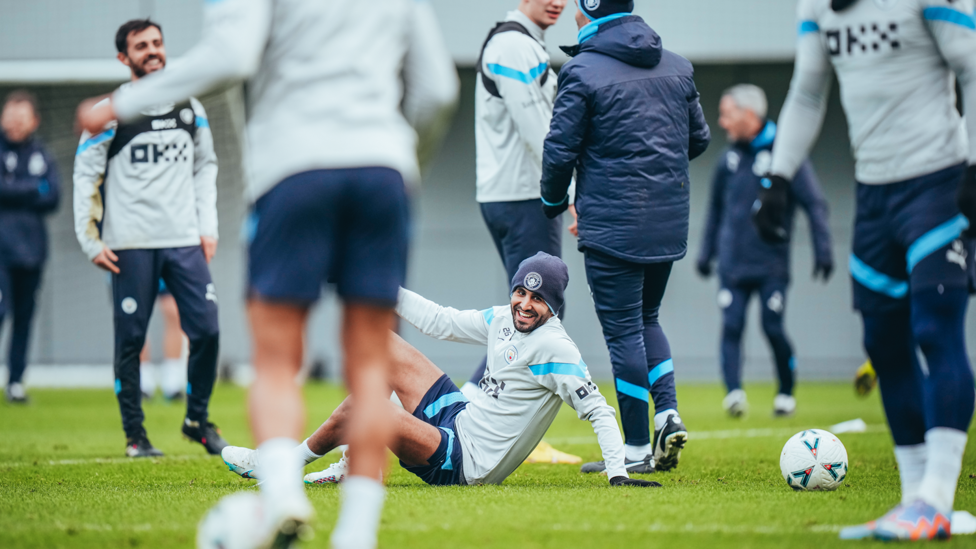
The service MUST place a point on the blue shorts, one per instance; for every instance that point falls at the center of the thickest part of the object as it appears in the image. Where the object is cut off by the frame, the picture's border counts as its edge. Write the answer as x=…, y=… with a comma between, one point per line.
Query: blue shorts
x=440, y=407
x=348, y=227
x=907, y=238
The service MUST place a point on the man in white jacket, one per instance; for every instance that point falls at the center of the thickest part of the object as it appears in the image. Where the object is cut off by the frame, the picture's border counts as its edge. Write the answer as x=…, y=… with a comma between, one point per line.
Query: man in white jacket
x=145, y=205
x=339, y=94
x=447, y=438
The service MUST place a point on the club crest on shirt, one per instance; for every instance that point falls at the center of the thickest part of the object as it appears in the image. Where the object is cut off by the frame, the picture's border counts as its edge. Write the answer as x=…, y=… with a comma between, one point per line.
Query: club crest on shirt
x=511, y=354
x=36, y=166
x=532, y=281
x=10, y=161
x=764, y=161
x=187, y=116
x=732, y=161
x=957, y=254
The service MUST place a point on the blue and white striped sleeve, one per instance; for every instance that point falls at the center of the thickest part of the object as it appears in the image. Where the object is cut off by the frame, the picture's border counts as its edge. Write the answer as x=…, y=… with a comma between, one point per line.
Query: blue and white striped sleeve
x=953, y=26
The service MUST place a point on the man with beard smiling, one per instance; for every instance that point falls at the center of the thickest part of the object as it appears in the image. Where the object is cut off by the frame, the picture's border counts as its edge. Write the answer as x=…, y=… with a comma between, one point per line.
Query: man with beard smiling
x=446, y=439
x=145, y=204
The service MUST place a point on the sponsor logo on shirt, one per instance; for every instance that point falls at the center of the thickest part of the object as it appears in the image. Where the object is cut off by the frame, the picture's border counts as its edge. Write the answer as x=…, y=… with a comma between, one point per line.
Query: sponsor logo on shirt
x=863, y=38
x=164, y=124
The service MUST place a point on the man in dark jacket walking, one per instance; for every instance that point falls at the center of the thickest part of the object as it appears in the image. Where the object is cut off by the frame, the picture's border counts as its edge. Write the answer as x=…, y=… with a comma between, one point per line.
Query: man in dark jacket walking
x=29, y=190
x=627, y=118
x=746, y=263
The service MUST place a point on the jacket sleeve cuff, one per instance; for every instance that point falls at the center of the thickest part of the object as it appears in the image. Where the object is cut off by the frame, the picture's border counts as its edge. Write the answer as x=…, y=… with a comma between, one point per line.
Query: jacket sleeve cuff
x=560, y=203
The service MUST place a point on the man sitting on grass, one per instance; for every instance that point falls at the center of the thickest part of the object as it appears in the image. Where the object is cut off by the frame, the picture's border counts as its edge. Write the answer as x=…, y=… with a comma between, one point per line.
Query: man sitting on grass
x=446, y=439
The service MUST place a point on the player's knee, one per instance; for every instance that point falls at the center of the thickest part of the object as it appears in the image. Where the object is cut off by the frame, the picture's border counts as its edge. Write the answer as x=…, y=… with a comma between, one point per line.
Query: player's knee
x=773, y=328
x=651, y=316
x=938, y=318
x=732, y=328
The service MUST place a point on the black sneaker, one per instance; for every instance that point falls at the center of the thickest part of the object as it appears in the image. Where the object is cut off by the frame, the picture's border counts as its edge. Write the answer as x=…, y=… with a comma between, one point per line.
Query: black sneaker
x=140, y=447
x=668, y=442
x=643, y=467
x=206, y=434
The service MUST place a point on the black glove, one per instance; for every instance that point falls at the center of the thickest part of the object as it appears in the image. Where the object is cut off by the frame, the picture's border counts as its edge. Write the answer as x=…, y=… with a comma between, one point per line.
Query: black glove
x=704, y=268
x=624, y=481
x=824, y=269
x=553, y=211
x=966, y=199
x=769, y=211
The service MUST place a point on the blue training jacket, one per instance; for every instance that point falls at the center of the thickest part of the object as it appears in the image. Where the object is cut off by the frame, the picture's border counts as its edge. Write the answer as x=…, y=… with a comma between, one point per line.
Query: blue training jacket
x=729, y=231
x=29, y=190
x=627, y=118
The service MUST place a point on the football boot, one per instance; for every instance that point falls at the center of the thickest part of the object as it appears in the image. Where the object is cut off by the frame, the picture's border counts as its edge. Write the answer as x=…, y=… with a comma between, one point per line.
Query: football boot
x=668, y=442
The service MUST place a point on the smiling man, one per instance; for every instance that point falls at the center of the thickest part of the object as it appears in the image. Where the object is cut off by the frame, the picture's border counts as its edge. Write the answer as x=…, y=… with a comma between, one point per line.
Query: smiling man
x=145, y=204
x=446, y=438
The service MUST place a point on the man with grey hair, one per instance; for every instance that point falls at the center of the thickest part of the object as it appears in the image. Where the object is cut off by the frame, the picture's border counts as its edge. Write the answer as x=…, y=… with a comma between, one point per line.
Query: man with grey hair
x=746, y=263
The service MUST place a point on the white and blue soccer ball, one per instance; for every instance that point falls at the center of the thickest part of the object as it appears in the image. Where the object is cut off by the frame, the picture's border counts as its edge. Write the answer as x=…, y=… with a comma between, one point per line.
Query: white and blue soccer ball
x=814, y=460
x=236, y=522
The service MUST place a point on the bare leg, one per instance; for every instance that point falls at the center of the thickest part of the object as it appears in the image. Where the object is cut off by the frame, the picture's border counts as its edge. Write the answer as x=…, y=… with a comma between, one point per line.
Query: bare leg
x=276, y=406
x=366, y=343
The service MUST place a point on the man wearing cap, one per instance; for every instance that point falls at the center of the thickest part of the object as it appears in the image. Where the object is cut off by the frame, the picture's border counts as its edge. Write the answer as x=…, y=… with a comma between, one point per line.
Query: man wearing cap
x=446, y=438
x=627, y=118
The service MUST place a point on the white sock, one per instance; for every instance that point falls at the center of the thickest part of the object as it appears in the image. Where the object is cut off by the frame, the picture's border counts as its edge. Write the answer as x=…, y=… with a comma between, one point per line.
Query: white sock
x=305, y=453
x=468, y=390
x=662, y=418
x=280, y=471
x=395, y=399
x=942, y=467
x=359, y=517
x=911, y=468
x=174, y=376
x=147, y=378
x=636, y=453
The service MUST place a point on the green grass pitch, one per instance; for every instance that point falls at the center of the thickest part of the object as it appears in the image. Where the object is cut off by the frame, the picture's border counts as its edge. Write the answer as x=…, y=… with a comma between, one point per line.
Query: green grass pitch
x=64, y=481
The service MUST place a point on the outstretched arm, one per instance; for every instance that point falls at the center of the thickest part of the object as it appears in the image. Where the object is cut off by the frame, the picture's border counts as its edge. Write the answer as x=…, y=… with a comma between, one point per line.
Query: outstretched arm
x=444, y=322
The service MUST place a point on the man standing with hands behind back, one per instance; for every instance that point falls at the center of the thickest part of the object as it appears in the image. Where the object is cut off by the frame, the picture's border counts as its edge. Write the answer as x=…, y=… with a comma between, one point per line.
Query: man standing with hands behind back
x=145, y=203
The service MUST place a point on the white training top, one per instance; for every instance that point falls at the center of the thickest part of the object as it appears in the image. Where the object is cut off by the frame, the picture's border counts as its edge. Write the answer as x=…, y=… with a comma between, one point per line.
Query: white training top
x=510, y=131
x=528, y=378
x=331, y=84
x=895, y=61
x=148, y=185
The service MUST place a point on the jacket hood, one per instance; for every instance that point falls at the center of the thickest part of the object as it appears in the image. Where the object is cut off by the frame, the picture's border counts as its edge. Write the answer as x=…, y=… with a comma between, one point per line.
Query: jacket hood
x=628, y=39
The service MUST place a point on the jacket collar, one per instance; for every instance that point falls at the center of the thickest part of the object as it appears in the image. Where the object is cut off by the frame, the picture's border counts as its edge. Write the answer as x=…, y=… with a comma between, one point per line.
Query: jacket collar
x=522, y=19
x=765, y=138
x=592, y=27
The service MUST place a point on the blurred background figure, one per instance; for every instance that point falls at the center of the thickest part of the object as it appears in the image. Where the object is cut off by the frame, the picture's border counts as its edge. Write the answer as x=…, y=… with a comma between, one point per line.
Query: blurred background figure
x=29, y=191
x=746, y=263
x=170, y=376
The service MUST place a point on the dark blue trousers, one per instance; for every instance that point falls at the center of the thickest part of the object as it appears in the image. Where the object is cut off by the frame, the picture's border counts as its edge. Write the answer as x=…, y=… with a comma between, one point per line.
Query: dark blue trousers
x=18, y=292
x=734, y=299
x=134, y=290
x=520, y=230
x=628, y=299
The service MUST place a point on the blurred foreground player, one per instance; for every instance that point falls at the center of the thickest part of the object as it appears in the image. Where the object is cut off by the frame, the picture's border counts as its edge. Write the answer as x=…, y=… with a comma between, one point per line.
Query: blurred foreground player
x=746, y=263
x=916, y=197
x=448, y=438
x=30, y=189
x=627, y=119
x=145, y=204
x=330, y=151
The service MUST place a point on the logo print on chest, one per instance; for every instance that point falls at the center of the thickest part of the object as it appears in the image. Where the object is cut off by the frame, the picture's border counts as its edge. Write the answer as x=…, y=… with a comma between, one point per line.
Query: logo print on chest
x=511, y=354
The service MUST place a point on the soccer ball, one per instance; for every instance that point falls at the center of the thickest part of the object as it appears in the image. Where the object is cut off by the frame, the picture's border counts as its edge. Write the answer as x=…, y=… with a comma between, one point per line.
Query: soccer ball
x=236, y=522
x=813, y=460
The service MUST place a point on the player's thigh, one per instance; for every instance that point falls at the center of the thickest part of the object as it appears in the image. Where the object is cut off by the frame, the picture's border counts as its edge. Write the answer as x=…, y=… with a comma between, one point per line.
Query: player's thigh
x=292, y=239
x=656, y=277
x=617, y=287
x=134, y=291
x=496, y=221
x=370, y=264
x=877, y=262
x=529, y=233
x=412, y=374
x=187, y=276
x=733, y=300
x=413, y=440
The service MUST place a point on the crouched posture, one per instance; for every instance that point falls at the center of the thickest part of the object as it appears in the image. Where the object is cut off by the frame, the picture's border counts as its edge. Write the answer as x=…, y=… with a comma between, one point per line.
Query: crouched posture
x=533, y=367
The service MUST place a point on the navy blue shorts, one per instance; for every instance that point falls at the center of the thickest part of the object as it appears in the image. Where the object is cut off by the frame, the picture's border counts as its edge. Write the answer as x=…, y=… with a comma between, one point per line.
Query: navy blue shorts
x=440, y=407
x=348, y=227
x=907, y=238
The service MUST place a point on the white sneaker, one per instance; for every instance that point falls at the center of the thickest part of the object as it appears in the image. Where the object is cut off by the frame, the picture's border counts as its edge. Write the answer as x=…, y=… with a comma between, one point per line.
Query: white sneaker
x=333, y=474
x=735, y=403
x=784, y=405
x=242, y=461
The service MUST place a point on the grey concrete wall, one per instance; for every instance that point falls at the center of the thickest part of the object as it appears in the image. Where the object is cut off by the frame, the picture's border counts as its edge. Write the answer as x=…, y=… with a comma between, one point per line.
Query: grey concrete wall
x=454, y=262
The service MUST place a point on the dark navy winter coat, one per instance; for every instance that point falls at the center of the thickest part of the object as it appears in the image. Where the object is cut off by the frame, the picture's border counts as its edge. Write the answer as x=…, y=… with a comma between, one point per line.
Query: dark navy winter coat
x=29, y=190
x=627, y=119
x=729, y=231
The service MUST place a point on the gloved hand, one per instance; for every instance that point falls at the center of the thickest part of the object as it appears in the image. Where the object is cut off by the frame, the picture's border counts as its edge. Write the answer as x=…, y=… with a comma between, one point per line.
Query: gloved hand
x=704, y=268
x=966, y=199
x=624, y=481
x=769, y=211
x=553, y=211
x=824, y=269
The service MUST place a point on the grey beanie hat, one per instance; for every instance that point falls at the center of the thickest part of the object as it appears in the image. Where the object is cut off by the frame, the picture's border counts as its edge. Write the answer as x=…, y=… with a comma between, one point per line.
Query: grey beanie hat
x=597, y=9
x=545, y=275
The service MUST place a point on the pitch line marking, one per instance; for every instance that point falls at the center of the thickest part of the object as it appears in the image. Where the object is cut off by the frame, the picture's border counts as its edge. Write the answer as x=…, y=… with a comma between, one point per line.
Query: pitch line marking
x=723, y=434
